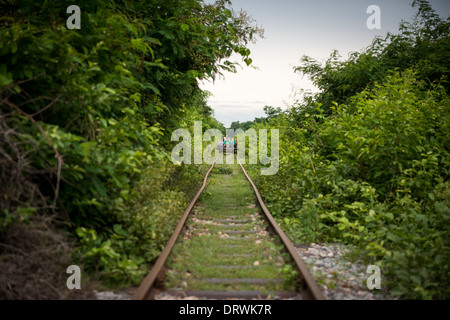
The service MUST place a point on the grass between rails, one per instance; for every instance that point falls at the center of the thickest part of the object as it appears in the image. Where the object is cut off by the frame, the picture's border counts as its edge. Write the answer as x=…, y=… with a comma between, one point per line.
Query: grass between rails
x=227, y=239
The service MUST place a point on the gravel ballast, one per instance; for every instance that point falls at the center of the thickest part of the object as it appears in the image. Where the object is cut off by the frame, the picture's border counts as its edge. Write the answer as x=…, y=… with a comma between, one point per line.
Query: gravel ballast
x=338, y=278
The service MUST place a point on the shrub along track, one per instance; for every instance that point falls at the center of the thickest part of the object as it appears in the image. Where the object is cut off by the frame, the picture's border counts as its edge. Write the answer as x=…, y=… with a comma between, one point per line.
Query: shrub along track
x=229, y=246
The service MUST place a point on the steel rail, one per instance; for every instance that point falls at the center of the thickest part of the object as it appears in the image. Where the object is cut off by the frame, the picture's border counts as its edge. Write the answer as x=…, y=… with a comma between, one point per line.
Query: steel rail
x=145, y=290
x=311, y=290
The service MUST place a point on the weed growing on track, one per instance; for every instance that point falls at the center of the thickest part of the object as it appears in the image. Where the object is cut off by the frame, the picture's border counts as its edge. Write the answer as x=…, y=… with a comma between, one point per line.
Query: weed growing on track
x=207, y=251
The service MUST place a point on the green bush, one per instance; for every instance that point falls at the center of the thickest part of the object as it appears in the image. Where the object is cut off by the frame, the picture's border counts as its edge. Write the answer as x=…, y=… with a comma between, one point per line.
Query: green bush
x=87, y=116
x=366, y=160
x=375, y=176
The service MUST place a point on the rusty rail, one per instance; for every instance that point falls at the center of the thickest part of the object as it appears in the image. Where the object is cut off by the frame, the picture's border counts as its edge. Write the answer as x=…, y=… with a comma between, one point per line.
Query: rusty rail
x=311, y=290
x=145, y=289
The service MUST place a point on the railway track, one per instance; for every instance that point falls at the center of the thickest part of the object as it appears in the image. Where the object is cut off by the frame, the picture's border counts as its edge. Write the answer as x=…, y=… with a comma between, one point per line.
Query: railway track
x=227, y=245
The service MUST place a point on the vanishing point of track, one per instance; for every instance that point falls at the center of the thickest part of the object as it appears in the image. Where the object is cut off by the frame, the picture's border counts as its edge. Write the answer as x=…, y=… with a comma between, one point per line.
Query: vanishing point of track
x=305, y=286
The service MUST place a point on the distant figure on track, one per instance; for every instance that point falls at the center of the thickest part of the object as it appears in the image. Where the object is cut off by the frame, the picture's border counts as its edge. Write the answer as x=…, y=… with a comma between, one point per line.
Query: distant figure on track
x=225, y=143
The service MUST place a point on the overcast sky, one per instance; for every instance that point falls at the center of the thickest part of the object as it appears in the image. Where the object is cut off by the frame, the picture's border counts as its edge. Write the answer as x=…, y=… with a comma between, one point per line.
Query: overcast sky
x=294, y=28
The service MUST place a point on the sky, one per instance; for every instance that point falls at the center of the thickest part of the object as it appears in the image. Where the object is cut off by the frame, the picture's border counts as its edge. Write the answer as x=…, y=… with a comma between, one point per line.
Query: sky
x=292, y=29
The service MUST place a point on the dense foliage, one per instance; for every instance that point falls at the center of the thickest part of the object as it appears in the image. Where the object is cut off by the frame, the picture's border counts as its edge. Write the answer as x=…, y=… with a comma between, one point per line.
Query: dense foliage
x=366, y=160
x=87, y=116
x=271, y=113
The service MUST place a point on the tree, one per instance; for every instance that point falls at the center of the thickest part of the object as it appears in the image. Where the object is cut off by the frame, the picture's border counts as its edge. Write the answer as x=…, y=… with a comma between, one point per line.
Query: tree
x=423, y=44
